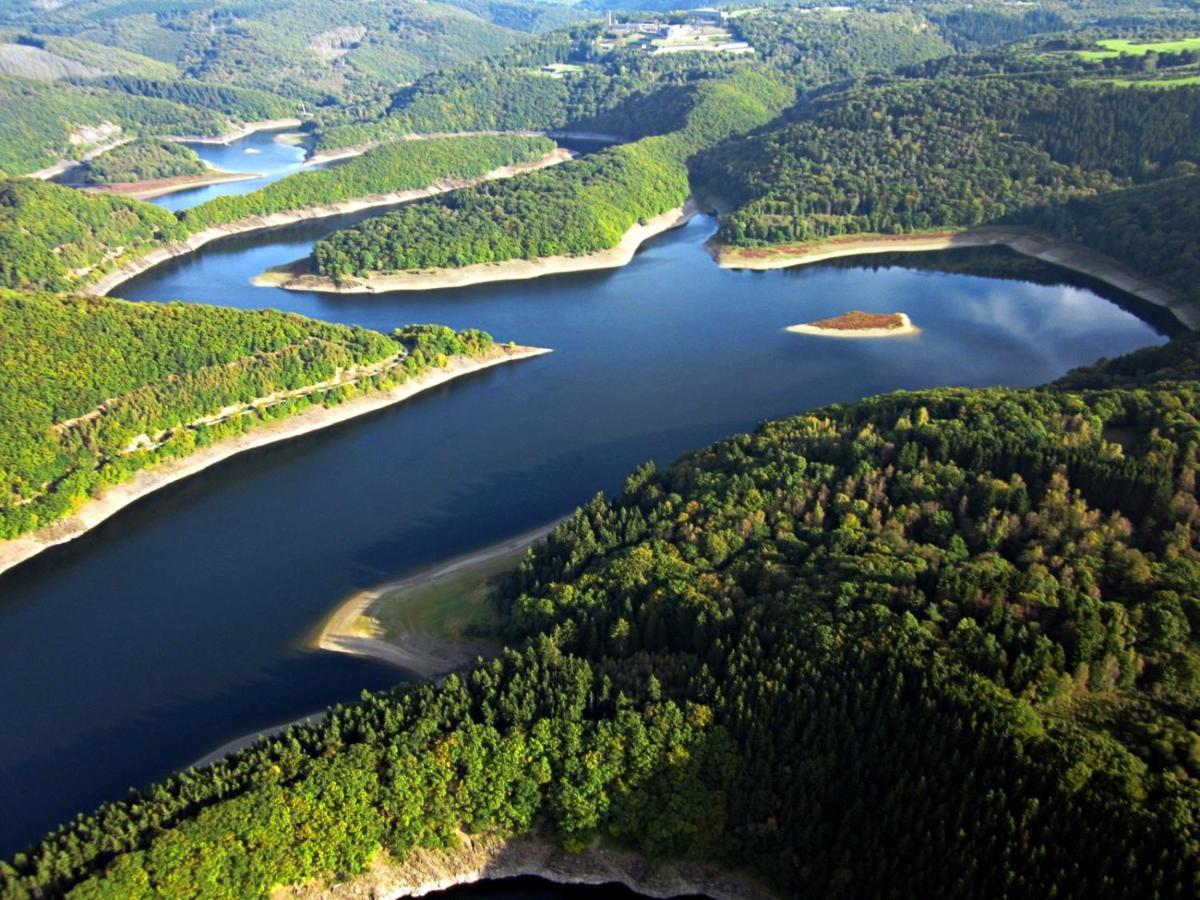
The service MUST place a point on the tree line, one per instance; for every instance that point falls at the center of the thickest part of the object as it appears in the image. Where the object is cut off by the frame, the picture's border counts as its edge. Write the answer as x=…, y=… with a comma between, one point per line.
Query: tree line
x=96, y=389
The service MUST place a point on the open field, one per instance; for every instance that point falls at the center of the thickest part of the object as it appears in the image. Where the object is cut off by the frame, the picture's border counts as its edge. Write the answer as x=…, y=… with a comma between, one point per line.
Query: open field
x=1114, y=47
x=1158, y=83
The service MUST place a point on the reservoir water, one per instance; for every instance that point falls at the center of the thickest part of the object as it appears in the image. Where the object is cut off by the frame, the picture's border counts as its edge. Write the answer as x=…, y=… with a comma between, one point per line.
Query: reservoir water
x=181, y=623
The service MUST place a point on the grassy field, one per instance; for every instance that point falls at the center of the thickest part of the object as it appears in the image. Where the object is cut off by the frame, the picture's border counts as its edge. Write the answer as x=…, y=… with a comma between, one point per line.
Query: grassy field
x=1160, y=83
x=453, y=607
x=1114, y=47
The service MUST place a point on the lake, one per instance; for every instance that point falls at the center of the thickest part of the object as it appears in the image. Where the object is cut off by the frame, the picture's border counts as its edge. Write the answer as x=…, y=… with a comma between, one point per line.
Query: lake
x=182, y=622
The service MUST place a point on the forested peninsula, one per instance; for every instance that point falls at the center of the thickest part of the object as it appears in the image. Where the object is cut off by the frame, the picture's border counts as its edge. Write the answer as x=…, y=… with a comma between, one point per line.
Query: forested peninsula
x=785, y=652
x=57, y=238
x=176, y=382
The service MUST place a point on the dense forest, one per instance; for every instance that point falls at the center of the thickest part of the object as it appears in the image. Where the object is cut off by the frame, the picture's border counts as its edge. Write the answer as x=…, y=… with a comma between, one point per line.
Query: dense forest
x=951, y=632
x=946, y=152
x=627, y=92
x=96, y=389
x=575, y=208
x=56, y=237
x=1152, y=228
x=141, y=160
x=399, y=166
x=38, y=120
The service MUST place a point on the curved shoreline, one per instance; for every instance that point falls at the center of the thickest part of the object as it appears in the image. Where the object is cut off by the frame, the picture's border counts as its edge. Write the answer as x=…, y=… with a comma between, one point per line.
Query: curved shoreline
x=424, y=656
x=159, y=255
x=490, y=858
x=1030, y=243
x=236, y=134
x=160, y=187
x=146, y=481
x=290, y=278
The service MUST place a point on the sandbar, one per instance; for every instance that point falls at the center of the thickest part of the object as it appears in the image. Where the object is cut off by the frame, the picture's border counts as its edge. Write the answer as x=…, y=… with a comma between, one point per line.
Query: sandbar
x=906, y=327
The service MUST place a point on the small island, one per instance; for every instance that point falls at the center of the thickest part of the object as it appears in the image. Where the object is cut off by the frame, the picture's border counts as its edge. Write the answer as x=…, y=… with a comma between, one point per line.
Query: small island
x=859, y=324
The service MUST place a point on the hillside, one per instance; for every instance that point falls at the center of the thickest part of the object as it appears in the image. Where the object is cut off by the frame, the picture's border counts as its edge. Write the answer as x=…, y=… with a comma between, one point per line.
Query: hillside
x=319, y=50
x=950, y=632
x=96, y=389
x=42, y=122
x=56, y=238
x=580, y=207
x=140, y=160
x=954, y=151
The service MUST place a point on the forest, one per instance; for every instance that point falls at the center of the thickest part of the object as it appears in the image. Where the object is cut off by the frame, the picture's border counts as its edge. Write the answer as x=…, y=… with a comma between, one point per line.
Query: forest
x=141, y=160
x=575, y=208
x=55, y=238
x=399, y=166
x=952, y=632
x=96, y=389
x=39, y=118
x=952, y=151
x=1153, y=228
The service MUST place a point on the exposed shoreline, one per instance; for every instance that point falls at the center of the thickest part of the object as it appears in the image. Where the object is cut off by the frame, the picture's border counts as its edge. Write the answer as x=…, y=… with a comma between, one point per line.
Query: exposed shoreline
x=488, y=858
x=906, y=327
x=146, y=481
x=325, y=156
x=160, y=187
x=1024, y=241
x=159, y=255
x=292, y=278
x=66, y=165
x=236, y=134
x=425, y=656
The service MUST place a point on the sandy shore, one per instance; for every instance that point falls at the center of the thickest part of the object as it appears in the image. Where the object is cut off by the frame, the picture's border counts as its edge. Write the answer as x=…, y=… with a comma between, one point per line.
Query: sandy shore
x=295, y=276
x=241, y=743
x=423, y=655
x=486, y=857
x=905, y=327
x=159, y=187
x=160, y=255
x=236, y=134
x=146, y=481
x=1023, y=241
x=359, y=149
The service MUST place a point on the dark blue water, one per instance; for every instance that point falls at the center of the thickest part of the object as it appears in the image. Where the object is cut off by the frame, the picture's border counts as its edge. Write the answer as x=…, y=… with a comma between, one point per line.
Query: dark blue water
x=179, y=624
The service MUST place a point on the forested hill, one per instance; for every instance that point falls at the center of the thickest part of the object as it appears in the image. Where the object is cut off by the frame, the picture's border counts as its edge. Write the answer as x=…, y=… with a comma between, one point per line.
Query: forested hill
x=951, y=151
x=580, y=207
x=95, y=389
x=940, y=643
x=57, y=238
x=627, y=91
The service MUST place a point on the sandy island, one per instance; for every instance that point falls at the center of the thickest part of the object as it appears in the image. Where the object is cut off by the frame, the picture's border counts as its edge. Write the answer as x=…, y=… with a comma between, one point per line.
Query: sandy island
x=146, y=481
x=147, y=261
x=859, y=325
x=349, y=629
x=1024, y=241
x=295, y=276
